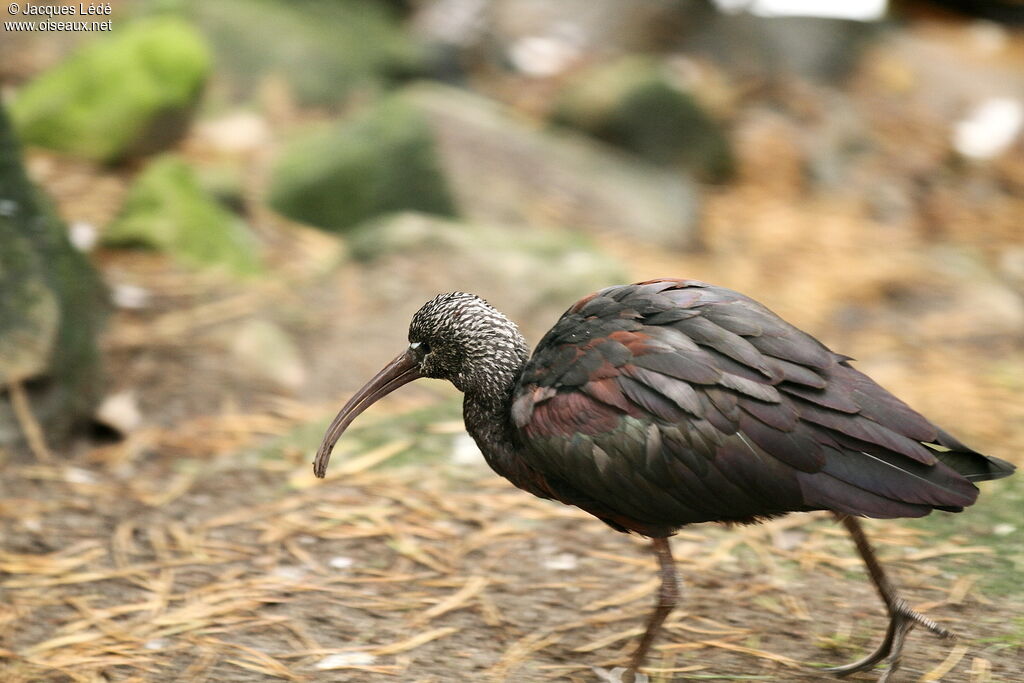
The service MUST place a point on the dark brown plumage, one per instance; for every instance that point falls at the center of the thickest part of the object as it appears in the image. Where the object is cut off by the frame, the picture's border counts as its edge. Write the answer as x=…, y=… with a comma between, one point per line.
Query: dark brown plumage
x=671, y=402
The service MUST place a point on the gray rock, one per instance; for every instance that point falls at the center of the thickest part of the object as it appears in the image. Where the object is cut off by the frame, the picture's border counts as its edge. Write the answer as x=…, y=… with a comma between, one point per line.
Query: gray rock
x=957, y=298
x=500, y=169
x=265, y=351
x=51, y=308
x=635, y=103
x=323, y=50
x=815, y=48
x=29, y=310
x=444, y=151
x=971, y=302
x=541, y=38
x=383, y=160
x=527, y=268
x=120, y=412
x=592, y=27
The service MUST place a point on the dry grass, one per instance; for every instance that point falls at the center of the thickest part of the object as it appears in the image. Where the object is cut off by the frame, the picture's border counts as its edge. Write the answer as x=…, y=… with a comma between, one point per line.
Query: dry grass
x=393, y=573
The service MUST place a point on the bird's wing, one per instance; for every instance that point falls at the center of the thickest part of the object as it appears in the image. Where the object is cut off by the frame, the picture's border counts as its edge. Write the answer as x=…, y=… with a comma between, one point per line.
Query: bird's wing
x=674, y=401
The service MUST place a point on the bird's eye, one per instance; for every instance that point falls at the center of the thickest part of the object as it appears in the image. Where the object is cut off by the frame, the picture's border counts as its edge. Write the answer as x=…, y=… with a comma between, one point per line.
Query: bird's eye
x=422, y=347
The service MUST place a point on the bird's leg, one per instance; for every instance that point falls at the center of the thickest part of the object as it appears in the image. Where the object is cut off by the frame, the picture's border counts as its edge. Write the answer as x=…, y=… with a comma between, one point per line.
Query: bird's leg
x=901, y=618
x=668, y=595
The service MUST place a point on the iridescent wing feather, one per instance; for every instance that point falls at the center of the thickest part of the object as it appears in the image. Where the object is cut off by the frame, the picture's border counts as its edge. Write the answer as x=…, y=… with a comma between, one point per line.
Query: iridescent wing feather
x=672, y=402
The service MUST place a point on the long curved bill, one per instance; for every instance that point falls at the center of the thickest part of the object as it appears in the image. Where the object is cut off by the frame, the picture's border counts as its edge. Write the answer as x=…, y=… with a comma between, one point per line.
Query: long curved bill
x=398, y=372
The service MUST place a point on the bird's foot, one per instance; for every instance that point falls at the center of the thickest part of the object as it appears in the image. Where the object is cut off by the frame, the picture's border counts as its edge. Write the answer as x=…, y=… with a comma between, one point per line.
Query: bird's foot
x=619, y=674
x=901, y=622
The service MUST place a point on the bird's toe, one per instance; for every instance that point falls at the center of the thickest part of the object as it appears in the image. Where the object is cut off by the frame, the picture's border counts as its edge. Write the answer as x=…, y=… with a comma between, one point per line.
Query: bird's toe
x=902, y=621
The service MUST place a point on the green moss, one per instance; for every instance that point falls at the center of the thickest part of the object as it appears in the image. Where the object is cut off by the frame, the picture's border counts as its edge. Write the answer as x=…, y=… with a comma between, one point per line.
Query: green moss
x=556, y=263
x=52, y=299
x=29, y=312
x=167, y=209
x=126, y=94
x=382, y=161
x=632, y=104
x=412, y=233
x=324, y=49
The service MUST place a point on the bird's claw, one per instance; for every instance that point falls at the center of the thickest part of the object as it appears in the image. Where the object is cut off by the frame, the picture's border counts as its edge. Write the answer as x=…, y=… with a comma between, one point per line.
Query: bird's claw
x=901, y=621
x=904, y=609
x=619, y=674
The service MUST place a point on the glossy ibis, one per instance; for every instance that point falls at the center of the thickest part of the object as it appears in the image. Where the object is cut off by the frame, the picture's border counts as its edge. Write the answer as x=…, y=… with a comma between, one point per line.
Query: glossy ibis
x=670, y=402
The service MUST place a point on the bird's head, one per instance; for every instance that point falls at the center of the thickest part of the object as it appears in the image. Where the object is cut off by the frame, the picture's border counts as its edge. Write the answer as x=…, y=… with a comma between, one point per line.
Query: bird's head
x=456, y=336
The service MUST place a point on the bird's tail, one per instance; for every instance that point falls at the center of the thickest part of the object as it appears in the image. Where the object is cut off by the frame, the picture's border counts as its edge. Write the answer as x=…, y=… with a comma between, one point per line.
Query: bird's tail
x=971, y=465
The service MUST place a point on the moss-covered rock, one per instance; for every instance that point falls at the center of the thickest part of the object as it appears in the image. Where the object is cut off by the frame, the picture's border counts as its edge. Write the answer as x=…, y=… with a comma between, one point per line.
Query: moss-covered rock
x=167, y=209
x=51, y=308
x=544, y=265
x=29, y=309
x=634, y=104
x=122, y=96
x=440, y=150
x=383, y=161
x=323, y=49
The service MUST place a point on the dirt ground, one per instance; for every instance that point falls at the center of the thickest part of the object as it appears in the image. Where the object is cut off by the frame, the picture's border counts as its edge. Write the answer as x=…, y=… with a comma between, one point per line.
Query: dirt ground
x=199, y=547
x=241, y=571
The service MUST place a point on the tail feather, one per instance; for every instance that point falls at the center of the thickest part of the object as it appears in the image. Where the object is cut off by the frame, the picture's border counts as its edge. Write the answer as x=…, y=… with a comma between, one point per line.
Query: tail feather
x=971, y=465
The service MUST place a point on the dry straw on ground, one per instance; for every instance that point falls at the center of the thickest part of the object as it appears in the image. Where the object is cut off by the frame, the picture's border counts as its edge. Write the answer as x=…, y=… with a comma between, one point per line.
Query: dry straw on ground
x=397, y=574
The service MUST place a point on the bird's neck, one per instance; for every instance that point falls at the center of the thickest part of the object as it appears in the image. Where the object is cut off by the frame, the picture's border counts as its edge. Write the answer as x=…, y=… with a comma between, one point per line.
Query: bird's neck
x=488, y=420
x=488, y=417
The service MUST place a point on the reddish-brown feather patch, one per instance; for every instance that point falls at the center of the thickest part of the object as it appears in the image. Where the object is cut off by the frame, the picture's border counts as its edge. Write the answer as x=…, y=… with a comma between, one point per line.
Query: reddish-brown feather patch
x=609, y=392
x=678, y=282
x=576, y=307
x=570, y=413
x=604, y=371
x=636, y=342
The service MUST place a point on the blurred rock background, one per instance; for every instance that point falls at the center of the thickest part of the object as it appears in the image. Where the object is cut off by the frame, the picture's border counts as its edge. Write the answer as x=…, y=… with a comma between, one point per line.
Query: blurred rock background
x=232, y=208
x=862, y=176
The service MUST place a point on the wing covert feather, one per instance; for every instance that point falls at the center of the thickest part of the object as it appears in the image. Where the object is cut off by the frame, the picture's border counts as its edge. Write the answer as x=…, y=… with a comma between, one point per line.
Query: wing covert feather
x=673, y=401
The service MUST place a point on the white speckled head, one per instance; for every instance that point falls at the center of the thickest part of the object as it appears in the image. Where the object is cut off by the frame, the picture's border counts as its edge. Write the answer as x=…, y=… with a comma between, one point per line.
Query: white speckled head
x=462, y=338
